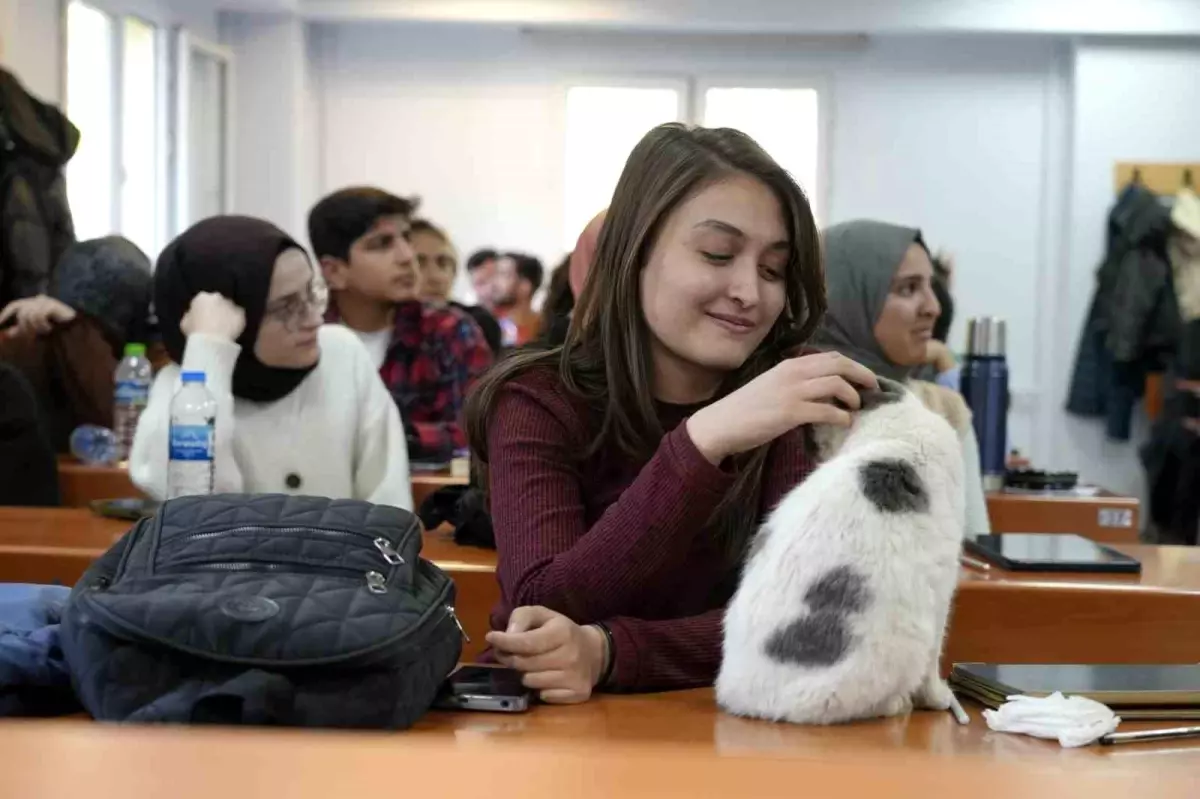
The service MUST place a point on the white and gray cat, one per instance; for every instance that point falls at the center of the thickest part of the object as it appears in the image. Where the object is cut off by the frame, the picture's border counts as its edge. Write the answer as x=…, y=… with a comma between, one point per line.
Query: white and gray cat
x=842, y=608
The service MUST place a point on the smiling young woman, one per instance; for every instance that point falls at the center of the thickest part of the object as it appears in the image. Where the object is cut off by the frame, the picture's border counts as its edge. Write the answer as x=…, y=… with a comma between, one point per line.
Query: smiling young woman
x=629, y=467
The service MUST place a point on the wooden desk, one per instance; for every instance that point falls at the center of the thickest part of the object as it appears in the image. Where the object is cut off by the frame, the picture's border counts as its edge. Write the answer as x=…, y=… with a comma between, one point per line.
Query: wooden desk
x=79, y=485
x=1108, y=518
x=998, y=616
x=664, y=745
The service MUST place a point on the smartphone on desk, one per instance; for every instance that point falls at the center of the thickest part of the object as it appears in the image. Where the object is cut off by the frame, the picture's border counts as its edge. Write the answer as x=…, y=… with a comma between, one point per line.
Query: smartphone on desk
x=493, y=689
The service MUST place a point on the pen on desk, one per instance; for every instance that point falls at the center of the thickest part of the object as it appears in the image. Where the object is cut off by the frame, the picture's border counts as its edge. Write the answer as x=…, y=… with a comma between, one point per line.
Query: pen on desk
x=956, y=709
x=974, y=563
x=1140, y=736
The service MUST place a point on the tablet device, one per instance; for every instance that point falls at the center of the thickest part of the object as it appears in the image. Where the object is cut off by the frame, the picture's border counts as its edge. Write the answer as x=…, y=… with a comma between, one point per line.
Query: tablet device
x=1049, y=552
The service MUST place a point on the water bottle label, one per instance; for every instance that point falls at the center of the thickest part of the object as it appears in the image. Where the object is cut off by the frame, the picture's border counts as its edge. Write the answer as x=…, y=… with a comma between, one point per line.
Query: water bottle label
x=132, y=392
x=191, y=442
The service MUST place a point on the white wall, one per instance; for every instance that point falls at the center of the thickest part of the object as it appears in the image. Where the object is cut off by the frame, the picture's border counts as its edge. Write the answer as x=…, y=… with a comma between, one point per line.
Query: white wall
x=30, y=46
x=274, y=156
x=953, y=135
x=1131, y=102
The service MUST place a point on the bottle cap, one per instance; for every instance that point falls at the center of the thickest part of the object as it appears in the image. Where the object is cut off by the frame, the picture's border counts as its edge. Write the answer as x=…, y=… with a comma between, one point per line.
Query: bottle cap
x=193, y=377
x=135, y=350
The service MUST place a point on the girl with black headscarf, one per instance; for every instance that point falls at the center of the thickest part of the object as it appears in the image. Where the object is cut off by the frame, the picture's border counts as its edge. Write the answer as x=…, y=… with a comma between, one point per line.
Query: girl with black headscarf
x=300, y=408
x=882, y=314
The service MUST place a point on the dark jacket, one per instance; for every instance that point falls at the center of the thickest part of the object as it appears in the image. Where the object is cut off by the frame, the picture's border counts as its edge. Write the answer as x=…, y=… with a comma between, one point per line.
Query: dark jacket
x=1133, y=323
x=36, y=141
x=28, y=469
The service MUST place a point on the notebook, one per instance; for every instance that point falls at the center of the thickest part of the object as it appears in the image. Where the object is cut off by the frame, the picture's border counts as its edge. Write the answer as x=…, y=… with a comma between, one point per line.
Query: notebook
x=1133, y=692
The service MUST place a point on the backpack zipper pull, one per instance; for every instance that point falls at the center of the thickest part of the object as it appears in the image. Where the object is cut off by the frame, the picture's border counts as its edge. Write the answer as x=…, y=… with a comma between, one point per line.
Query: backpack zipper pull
x=376, y=583
x=389, y=552
x=458, y=624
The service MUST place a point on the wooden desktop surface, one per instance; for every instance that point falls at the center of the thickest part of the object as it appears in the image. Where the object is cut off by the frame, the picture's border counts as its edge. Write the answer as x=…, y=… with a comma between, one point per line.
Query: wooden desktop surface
x=998, y=616
x=659, y=745
x=1107, y=518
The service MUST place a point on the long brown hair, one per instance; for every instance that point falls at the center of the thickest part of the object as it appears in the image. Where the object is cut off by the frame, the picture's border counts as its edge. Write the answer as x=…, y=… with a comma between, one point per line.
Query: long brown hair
x=606, y=358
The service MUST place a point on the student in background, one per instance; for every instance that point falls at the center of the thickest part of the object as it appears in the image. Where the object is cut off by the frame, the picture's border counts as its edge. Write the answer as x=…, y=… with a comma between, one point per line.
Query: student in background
x=428, y=357
x=518, y=277
x=882, y=312
x=437, y=262
x=481, y=268
x=68, y=344
x=300, y=409
x=629, y=468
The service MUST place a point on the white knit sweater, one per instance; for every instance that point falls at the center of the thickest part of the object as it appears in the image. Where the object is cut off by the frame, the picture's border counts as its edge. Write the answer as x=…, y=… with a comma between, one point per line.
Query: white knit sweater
x=338, y=434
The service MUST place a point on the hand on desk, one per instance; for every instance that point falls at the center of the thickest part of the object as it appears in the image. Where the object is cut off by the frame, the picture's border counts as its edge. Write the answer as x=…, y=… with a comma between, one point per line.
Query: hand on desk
x=560, y=659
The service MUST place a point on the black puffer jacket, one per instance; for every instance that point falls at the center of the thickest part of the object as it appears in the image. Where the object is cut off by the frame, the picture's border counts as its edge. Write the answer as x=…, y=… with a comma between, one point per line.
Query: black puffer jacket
x=1133, y=324
x=36, y=141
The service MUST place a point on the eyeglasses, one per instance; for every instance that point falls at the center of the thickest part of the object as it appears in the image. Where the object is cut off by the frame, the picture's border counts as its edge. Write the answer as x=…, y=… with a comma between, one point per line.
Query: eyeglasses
x=293, y=311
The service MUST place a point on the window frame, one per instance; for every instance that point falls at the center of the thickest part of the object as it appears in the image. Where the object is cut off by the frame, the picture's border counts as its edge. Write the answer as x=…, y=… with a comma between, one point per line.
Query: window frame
x=680, y=84
x=184, y=43
x=821, y=84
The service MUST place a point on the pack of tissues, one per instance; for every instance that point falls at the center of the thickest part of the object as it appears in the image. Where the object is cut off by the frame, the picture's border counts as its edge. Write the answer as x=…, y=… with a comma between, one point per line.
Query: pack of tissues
x=1071, y=720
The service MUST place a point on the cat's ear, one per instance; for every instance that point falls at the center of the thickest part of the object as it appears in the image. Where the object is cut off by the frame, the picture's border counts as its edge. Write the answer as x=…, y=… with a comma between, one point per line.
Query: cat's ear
x=889, y=391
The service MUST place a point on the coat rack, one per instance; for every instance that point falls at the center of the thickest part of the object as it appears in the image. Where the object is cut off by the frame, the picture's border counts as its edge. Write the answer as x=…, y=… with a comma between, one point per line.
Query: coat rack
x=1158, y=178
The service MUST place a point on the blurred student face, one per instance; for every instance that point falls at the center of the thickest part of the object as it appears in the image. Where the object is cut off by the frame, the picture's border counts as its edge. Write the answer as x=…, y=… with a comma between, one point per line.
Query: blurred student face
x=295, y=306
x=437, y=264
x=505, y=282
x=483, y=281
x=713, y=286
x=381, y=265
x=905, y=324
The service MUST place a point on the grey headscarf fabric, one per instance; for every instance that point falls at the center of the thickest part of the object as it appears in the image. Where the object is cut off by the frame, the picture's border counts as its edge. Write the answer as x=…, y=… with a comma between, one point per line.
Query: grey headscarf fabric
x=110, y=280
x=861, y=259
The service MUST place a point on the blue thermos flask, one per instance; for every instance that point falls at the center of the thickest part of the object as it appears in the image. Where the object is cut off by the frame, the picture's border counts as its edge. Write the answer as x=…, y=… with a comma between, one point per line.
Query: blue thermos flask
x=985, y=387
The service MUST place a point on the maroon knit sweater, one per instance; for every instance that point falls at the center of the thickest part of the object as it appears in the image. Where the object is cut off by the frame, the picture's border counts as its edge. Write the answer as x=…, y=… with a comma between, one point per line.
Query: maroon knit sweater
x=617, y=541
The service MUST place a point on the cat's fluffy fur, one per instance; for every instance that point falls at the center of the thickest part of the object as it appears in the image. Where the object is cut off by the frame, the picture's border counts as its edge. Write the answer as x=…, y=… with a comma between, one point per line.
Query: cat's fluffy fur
x=842, y=608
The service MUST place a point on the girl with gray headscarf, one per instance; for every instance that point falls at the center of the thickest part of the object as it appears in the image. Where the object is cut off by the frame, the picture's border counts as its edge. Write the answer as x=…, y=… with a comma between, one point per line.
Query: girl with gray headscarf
x=882, y=313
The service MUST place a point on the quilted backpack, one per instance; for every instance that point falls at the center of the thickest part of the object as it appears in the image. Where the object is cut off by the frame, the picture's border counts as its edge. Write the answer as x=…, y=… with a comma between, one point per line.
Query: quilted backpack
x=263, y=609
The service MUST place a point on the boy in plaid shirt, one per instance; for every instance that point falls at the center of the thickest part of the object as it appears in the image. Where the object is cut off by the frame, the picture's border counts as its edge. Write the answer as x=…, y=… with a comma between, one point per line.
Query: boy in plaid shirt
x=427, y=357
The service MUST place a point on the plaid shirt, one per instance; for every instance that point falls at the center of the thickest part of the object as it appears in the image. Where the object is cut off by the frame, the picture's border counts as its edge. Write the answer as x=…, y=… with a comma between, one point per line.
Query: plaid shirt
x=435, y=356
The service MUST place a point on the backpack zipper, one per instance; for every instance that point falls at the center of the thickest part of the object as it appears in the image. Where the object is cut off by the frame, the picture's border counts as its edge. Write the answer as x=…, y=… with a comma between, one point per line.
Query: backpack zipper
x=376, y=582
x=390, y=555
x=457, y=623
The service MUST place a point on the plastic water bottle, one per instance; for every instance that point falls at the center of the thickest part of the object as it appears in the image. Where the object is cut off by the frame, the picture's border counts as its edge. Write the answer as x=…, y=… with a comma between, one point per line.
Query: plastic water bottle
x=192, y=439
x=94, y=445
x=132, y=392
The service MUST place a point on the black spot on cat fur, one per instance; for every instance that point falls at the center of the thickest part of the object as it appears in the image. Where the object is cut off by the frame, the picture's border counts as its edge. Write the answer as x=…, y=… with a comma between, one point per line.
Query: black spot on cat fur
x=819, y=639
x=893, y=486
x=841, y=590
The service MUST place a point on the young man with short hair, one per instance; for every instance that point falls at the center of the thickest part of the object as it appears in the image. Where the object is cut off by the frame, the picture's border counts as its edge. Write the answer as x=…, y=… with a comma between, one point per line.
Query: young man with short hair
x=428, y=357
x=481, y=268
x=518, y=277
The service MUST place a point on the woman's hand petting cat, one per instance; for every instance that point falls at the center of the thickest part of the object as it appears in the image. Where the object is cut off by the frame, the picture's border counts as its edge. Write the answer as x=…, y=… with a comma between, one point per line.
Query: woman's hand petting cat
x=560, y=659
x=214, y=315
x=796, y=392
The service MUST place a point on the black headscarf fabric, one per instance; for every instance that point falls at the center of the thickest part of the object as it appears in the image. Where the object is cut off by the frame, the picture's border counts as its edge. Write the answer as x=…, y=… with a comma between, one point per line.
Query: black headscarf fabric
x=233, y=256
